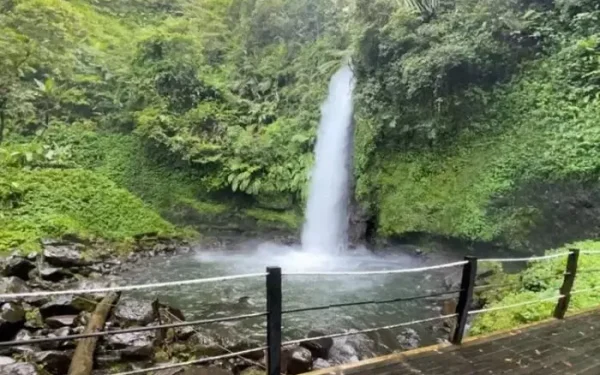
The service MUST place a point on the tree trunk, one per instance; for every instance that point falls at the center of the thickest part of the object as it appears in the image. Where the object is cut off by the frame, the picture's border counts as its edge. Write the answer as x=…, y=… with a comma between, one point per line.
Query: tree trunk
x=83, y=359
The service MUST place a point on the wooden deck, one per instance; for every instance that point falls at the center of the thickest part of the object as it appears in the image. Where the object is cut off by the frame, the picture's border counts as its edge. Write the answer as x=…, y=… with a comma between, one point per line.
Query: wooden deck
x=565, y=347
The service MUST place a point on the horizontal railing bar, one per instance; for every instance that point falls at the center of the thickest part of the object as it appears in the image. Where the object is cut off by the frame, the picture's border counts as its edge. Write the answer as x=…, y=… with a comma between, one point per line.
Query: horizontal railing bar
x=382, y=272
x=128, y=330
x=473, y=312
x=194, y=362
x=588, y=270
x=128, y=287
x=585, y=290
x=346, y=304
x=521, y=282
x=353, y=333
x=589, y=252
x=529, y=259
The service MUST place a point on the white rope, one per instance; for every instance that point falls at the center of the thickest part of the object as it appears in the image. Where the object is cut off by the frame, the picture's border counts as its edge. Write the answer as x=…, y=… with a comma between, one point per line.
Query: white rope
x=352, y=333
x=585, y=290
x=589, y=252
x=129, y=287
x=543, y=257
x=383, y=272
x=515, y=305
x=189, y=363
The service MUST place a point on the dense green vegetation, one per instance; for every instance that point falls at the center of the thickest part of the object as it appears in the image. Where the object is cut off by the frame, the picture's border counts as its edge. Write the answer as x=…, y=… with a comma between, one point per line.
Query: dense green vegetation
x=475, y=119
x=541, y=281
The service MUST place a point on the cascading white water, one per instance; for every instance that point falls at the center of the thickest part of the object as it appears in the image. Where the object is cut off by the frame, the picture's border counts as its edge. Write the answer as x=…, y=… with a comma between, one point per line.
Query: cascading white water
x=326, y=225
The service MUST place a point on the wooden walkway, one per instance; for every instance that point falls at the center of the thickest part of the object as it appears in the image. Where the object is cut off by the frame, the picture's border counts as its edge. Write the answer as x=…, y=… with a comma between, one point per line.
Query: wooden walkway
x=565, y=347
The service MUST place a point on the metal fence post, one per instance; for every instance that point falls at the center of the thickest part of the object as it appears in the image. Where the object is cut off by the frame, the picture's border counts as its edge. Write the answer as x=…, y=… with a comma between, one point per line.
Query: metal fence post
x=565, y=290
x=274, y=320
x=464, y=299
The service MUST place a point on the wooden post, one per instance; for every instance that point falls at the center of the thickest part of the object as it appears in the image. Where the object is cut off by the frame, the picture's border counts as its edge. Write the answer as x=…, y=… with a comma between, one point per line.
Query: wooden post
x=274, y=307
x=464, y=299
x=565, y=290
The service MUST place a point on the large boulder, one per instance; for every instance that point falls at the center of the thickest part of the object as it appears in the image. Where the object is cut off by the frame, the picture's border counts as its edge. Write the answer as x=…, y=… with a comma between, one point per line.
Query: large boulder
x=66, y=305
x=17, y=266
x=136, y=345
x=299, y=361
x=12, y=319
x=19, y=369
x=131, y=311
x=318, y=348
x=54, y=361
x=408, y=339
x=63, y=256
x=4, y=361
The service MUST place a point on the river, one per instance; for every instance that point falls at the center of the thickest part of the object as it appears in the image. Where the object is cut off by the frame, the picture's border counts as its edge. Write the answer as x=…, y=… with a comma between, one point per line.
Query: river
x=206, y=301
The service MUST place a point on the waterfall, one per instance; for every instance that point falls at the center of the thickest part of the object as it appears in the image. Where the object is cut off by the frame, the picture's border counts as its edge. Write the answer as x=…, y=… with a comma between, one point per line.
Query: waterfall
x=326, y=220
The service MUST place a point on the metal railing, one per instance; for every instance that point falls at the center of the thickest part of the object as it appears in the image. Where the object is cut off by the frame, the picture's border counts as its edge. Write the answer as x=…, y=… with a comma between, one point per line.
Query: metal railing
x=274, y=307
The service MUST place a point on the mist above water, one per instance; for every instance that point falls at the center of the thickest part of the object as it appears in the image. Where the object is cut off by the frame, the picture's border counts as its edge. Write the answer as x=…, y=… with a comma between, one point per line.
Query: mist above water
x=326, y=226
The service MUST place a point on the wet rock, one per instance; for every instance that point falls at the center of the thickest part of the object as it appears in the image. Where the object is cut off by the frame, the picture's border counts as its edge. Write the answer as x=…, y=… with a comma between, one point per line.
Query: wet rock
x=55, y=362
x=6, y=361
x=134, y=312
x=13, y=284
x=318, y=348
x=66, y=305
x=23, y=335
x=54, y=274
x=63, y=256
x=12, y=319
x=17, y=266
x=342, y=353
x=19, y=369
x=136, y=345
x=408, y=339
x=320, y=363
x=61, y=321
x=203, y=345
x=87, y=284
x=300, y=361
x=184, y=333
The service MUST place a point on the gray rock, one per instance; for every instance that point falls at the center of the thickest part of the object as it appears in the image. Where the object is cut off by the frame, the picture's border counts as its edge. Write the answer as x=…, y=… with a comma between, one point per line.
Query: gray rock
x=61, y=321
x=54, y=274
x=320, y=363
x=13, y=284
x=318, y=348
x=300, y=361
x=6, y=361
x=66, y=305
x=17, y=266
x=19, y=369
x=12, y=319
x=136, y=345
x=184, y=333
x=54, y=345
x=342, y=352
x=63, y=256
x=408, y=339
x=107, y=359
x=134, y=312
x=23, y=335
x=55, y=362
